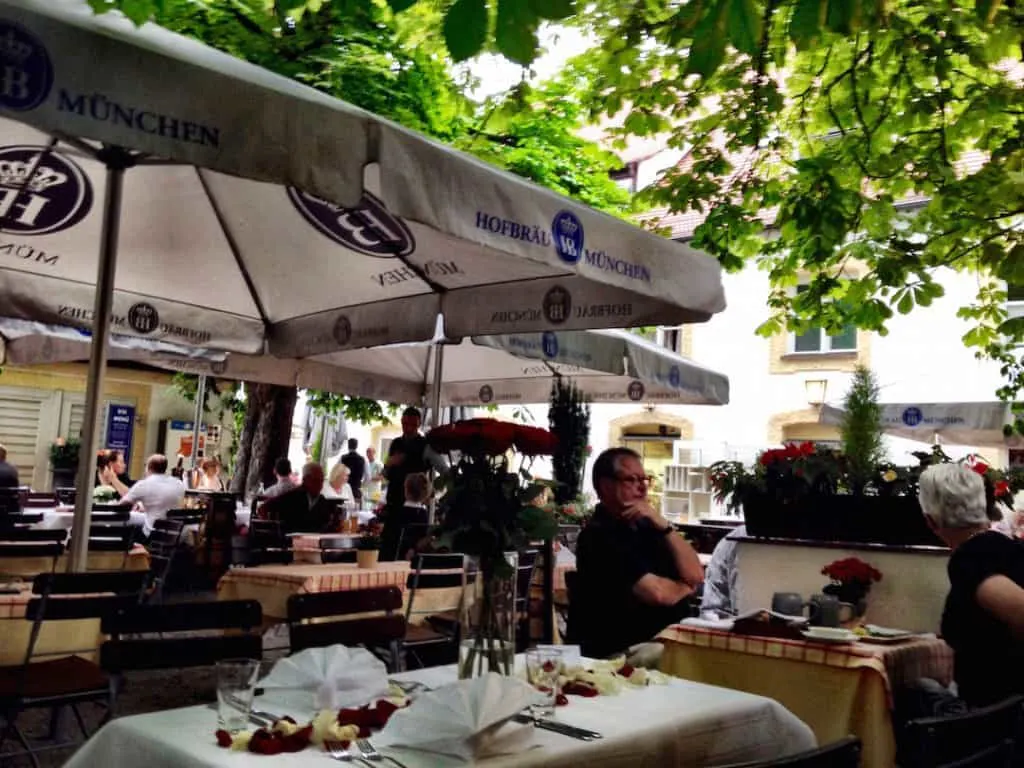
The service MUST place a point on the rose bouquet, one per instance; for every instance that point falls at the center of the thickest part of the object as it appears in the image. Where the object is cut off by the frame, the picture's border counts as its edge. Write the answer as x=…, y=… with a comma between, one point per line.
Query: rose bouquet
x=851, y=579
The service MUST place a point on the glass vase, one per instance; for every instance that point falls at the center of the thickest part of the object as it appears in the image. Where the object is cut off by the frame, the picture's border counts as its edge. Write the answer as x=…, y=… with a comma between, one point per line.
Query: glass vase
x=488, y=639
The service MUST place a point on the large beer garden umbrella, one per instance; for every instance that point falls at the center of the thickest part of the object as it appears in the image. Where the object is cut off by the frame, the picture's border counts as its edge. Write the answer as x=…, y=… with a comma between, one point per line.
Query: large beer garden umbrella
x=155, y=186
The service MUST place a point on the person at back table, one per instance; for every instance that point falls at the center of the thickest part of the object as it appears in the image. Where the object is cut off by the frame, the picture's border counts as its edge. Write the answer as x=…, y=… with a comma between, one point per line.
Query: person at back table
x=304, y=509
x=983, y=620
x=408, y=455
x=8, y=472
x=356, y=469
x=157, y=492
x=412, y=513
x=635, y=574
x=338, y=486
x=285, y=483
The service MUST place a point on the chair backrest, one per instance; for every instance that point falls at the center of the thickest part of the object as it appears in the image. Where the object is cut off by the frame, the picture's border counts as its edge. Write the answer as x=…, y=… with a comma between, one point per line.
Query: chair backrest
x=451, y=573
x=338, y=542
x=115, y=506
x=371, y=631
x=177, y=643
x=330, y=556
x=10, y=500
x=186, y=516
x=999, y=756
x=935, y=741
x=10, y=550
x=411, y=534
x=110, y=538
x=65, y=495
x=267, y=543
x=568, y=535
x=110, y=515
x=844, y=753
x=39, y=502
x=525, y=571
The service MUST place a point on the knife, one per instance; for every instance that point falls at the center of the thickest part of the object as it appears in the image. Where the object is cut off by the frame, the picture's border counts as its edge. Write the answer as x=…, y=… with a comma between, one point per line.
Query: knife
x=556, y=727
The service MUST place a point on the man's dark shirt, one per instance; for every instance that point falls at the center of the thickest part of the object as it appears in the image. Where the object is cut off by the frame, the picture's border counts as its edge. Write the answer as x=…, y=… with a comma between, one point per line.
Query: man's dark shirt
x=8, y=475
x=611, y=556
x=988, y=662
x=413, y=449
x=356, y=469
x=293, y=509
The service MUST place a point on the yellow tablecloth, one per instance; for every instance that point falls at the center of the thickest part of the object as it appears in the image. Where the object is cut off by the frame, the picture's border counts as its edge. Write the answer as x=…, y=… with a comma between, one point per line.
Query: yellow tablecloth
x=836, y=690
x=272, y=585
x=26, y=567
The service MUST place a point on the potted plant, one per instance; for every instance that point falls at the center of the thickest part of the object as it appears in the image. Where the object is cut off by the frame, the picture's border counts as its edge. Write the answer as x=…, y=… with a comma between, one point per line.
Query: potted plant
x=851, y=581
x=488, y=512
x=64, y=461
x=367, y=550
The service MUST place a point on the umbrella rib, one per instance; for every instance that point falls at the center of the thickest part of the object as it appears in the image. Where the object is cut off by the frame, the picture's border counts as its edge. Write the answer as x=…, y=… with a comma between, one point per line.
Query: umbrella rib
x=233, y=245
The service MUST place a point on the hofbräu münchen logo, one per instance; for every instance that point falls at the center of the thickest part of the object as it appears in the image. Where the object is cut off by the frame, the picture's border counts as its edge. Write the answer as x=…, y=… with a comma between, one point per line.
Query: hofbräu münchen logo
x=143, y=318
x=368, y=228
x=557, y=305
x=486, y=393
x=26, y=74
x=635, y=391
x=41, y=192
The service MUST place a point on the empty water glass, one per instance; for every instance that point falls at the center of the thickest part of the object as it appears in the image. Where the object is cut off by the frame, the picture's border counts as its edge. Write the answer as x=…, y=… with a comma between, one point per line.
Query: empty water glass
x=236, y=686
x=543, y=669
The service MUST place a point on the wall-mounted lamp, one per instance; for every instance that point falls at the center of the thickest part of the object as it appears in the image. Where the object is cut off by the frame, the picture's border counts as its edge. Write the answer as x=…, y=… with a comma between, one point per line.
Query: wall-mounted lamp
x=815, y=390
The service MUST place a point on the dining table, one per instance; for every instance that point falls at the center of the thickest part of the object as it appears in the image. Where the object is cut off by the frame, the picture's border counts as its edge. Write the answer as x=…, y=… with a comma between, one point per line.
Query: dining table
x=678, y=723
x=56, y=639
x=837, y=689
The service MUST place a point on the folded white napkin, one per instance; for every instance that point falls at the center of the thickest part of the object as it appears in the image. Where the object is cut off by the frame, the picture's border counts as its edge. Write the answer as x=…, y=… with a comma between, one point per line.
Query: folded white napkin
x=335, y=677
x=462, y=719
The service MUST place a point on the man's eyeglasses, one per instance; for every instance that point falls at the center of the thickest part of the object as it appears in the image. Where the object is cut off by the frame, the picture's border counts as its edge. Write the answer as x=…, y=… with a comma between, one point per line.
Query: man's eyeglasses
x=636, y=479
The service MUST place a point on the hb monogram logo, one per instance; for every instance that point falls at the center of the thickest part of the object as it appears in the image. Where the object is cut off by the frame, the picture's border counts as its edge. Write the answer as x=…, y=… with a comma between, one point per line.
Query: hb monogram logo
x=635, y=391
x=369, y=228
x=218, y=367
x=557, y=305
x=342, y=330
x=912, y=416
x=26, y=74
x=674, y=377
x=143, y=318
x=486, y=394
x=41, y=192
x=567, y=232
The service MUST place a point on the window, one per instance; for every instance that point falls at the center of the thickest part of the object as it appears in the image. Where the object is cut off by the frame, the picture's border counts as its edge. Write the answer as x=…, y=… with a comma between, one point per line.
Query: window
x=626, y=177
x=670, y=338
x=816, y=340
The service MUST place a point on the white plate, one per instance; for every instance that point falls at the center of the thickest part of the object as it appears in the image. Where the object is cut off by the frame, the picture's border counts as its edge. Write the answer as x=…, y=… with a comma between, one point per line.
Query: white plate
x=836, y=636
x=876, y=631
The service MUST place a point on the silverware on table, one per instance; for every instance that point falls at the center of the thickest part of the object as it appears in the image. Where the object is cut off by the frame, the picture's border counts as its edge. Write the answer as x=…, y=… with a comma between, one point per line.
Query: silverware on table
x=555, y=726
x=371, y=755
x=339, y=751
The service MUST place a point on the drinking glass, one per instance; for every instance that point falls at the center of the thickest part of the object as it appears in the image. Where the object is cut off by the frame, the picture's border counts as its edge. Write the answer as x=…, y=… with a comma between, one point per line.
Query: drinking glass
x=236, y=685
x=543, y=668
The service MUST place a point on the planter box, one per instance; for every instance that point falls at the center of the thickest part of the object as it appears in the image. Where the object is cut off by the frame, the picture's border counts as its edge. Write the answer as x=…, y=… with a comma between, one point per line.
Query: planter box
x=64, y=477
x=893, y=520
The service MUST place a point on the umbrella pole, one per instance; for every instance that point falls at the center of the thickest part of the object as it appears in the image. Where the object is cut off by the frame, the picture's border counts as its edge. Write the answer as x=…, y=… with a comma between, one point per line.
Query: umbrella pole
x=117, y=162
x=435, y=412
x=197, y=422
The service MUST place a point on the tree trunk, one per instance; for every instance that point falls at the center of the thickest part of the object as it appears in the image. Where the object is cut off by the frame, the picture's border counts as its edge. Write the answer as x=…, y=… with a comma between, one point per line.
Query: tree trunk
x=265, y=436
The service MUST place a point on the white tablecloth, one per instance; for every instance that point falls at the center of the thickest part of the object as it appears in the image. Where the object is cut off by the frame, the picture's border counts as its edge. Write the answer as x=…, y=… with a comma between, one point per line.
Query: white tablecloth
x=63, y=516
x=679, y=724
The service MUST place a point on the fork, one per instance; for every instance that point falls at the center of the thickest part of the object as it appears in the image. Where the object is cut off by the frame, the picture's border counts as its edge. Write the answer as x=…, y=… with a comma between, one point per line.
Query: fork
x=338, y=751
x=368, y=751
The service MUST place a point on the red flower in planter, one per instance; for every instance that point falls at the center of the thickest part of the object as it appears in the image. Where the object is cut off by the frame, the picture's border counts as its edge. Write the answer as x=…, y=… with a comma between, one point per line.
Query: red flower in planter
x=534, y=441
x=851, y=569
x=491, y=437
x=1002, y=488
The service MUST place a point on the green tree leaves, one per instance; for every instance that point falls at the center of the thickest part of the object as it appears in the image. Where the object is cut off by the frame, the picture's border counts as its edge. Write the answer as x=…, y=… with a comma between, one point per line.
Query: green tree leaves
x=465, y=28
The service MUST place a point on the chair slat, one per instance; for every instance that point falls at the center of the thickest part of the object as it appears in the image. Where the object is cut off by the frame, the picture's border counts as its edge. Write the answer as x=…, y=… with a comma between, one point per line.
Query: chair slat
x=90, y=582
x=319, y=604
x=22, y=535
x=844, y=753
x=63, y=608
x=168, y=653
x=31, y=549
x=180, y=617
x=329, y=556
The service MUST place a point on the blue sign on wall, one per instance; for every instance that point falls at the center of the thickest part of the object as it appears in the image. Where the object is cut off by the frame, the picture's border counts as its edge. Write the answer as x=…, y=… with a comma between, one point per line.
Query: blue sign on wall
x=120, y=426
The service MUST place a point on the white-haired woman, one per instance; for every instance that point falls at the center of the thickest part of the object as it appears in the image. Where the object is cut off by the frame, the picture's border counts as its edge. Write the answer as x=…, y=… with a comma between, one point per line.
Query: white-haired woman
x=338, y=488
x=983, y=620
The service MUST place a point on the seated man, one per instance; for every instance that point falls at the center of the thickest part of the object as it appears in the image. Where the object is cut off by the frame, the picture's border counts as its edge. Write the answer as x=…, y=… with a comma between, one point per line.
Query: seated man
x=283, y=474
x=635, y=573
x=8, y=472
x=304, y=509
x=157, y=492
x=720, y=578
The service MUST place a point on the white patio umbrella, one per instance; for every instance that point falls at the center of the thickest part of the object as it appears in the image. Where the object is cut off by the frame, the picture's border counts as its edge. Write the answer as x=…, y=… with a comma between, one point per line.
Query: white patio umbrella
x=251, y=213
x=977, y=424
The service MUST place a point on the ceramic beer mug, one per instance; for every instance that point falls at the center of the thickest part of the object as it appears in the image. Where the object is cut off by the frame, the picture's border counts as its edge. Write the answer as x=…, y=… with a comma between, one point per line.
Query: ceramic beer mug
x=827, y=611
x=788, y=603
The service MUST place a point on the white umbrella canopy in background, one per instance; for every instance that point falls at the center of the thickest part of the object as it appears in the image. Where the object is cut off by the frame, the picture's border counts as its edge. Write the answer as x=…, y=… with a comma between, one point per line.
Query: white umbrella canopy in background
x=608, y=366
x=977, y=424
x=250, y=213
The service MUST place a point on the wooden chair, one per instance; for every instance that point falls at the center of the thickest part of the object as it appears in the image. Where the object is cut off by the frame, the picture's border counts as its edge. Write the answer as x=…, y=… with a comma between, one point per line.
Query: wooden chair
x=447, y=576
x=39, y=501
x=411, y=535
x=525, y=573
x=385, y=630
x=110, y=516
x=268, y=544
x=179, y=635
x=337, y=549
x=937, y=742
x=31, y=549
x=70, y=680
x=112, y=538
x=844, y=753
x=25, y=535
x=115, y=506
x=10, y=501
x=186, y=516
